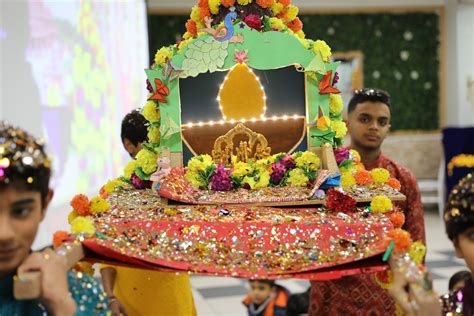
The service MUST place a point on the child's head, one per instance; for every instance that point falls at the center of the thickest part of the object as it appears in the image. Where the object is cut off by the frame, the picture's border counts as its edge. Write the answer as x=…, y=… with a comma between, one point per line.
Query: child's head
x=459, y=219
x=134, y=132
x=458, y=280
x=24, y=194
x=260, y=290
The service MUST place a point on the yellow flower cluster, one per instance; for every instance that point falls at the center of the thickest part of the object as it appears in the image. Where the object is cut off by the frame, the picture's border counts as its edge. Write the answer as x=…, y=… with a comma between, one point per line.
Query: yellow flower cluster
x=292, y=12
x=381, y=204
x=72, y=216
x=241, y=169
x=147, y=161
x=151, y=111
x=462, y=160
x=260, y=181
x=340, y=128
x=154, y=134
x=335, y=104
x=83, y=225
x=200, y=163
x=195, y=179
x=308, y=160
x=277, y=24
x=277, y=7
x=322, y=48
x=111, y=185
x=244, y=2
x=99, y=205
x=356, y=154
x=297, y=178
x=265, y=163
x=196, y=14
x=347, y=180
x=129, y=169
x=214, y=6
x=417, y=252
x=380, y=175
x=162, y=55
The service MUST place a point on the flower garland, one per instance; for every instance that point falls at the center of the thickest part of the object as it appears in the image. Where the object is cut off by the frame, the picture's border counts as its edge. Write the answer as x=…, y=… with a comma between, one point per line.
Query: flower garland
x=297, y=169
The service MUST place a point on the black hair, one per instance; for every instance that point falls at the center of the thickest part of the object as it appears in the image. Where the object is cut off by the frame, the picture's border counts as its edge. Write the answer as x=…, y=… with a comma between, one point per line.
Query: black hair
x=463, y=275
x=134, y=128
x=269, y=282
x=372, y=95
x=459, y=211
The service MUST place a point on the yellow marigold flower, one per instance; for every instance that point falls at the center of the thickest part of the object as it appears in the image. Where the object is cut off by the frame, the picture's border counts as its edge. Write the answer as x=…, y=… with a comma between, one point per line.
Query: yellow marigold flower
x=335, y=104
x=214, y=6
x=264, y=163
x=340, y=128
x=241, y=169
x=154, y=134
x=308, y=160
x=72, y=216
x=151, y=111
x=297, y=178
x=195, y=179
x=292, y=12
x=147, y=161
x=111, y=185
x=355, y=153
x=129, y=169
x=417, y=252
x=83, y=225
x=200, y=163
x=380, y=175
x=186, y=36
x=244, y=2
x=347, y=180
x=381, y=204
x=277, y=24
x=301, y=35
x=162, y=55
x=263, y=178
x=196, y=14
x=277, y=8
x=99, y=205
x=322, y=48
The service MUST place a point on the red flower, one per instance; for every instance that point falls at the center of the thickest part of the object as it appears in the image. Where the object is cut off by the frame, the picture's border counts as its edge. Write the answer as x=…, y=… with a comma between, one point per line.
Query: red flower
x=191, y=27
x=228, y=3
x=254, y=21
x=340, y=202
x=296, y=25
x=285, y=2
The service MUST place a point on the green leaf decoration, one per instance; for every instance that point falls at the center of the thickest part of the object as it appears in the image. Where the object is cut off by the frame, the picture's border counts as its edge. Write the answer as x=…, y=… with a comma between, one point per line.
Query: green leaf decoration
x=204, y=55
x=141, y=174
x=169, y=128
x=316, y=65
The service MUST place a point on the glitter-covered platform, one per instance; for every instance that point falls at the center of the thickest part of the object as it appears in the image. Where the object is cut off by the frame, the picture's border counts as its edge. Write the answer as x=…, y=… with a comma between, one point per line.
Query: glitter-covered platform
x=246, y=242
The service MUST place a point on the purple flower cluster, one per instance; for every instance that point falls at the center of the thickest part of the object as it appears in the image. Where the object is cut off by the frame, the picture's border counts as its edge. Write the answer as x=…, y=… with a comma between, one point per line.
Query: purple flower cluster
x=140, y=184
x=278, y=171
x=220, y=180
x=341, y=153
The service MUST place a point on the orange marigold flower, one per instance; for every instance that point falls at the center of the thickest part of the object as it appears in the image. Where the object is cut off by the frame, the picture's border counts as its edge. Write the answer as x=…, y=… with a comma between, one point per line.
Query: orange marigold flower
x=191, y=27
x=296, y=25
x=397, y=219
x=228, y=3
x=363, y=177
x=394, y=183
x=285, y=2
x=401, y=238
x=59, y=237
x=81, y=204
x=264, y=3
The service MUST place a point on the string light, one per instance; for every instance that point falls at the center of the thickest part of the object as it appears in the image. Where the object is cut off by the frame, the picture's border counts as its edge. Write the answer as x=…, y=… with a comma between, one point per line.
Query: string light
x=252, y=120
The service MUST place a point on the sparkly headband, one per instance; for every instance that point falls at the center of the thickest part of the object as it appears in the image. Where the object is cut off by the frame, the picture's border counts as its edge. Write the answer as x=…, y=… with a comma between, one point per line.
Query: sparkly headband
x=20, y=153
x=460, y=207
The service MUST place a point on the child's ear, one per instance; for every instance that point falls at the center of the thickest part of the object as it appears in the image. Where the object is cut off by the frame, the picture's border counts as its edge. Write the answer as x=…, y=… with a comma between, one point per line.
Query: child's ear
x=458, y=249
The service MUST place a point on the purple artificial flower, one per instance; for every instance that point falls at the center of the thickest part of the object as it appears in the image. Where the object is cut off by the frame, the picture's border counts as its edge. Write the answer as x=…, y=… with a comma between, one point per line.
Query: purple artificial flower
x=140, y=184
x=220, y=180
x=341, y=153
x=288, y=162
x=278, y=171
x=336, y=78
x=149, y=87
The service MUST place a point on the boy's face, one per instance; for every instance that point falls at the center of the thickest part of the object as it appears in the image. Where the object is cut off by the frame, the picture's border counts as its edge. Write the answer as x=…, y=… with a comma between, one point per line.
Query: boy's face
x=131, y=148
x=21, y=212
x=464, y=245
x=260, y=291
x=368, y=124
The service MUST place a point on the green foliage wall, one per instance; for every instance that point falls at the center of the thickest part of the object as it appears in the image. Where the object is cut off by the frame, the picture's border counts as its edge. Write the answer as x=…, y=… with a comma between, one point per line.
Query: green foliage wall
x=401, y=55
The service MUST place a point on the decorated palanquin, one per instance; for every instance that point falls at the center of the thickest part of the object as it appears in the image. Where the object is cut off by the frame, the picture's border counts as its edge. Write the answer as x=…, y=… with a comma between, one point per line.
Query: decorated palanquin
x=263, y=196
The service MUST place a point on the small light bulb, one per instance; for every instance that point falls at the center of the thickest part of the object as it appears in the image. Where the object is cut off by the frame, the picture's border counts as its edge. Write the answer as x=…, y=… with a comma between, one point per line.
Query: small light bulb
x=263, y=118
x=253, y=119
x=285, y=117
x=211, y=123
x=200, y=123
x=274, y=118
x=295, y=116
x=190, y=124
x=221, y=122
x=232, y=121
x=243, y=120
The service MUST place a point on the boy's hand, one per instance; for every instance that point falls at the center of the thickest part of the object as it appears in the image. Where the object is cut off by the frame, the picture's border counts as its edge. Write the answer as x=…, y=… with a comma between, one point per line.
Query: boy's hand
x=116, y=307
x=55, y=294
